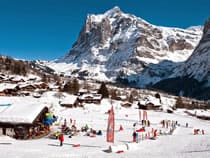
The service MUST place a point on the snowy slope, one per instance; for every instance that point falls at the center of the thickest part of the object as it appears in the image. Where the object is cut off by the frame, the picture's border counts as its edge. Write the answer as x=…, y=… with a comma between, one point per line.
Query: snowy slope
x=182, y=143
x=119, y=45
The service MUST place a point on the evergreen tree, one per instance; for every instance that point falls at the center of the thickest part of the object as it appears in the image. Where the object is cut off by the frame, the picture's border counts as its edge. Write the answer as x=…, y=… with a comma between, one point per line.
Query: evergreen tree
x=130, y=99
x=103, y=91
x=45, y=78
x=113, y=94
x=67, y=87
x=75, y=86
x=71, y=87
x=157, y=95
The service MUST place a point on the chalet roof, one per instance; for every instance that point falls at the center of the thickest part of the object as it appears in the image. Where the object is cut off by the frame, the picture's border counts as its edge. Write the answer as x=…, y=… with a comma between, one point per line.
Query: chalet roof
x=4, y=86
x=90, y=95
x=150, y=99
x=21, y=113
x=123, y=97
x=26, y=85
x=69, y=100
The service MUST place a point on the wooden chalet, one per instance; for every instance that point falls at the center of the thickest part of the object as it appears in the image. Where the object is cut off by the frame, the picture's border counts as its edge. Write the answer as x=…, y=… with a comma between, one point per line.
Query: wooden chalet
x=42, y=86
x=27, y=87
x=23, y=121
x=90, y=98
x=70, y=102
x=149, y=103
x=7, y=89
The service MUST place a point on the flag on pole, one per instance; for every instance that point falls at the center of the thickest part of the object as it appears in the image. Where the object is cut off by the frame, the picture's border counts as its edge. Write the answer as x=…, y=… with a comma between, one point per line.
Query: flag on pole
x=140, y=115
x=110, y=127
x=144, y=115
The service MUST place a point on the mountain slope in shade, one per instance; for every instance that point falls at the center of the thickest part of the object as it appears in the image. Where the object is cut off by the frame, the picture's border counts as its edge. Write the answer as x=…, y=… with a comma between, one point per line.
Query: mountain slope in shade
x=115, y=45
x=197, y=65
x=192, y=78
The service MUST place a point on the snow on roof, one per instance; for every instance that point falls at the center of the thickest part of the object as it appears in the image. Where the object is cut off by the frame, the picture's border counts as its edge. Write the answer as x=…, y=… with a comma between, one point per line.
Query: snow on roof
x=25, y=85
x=69, y=100
x=90, y=95
x=123, y=97
x=150, y=99
x=4, y=86
x=21, y=113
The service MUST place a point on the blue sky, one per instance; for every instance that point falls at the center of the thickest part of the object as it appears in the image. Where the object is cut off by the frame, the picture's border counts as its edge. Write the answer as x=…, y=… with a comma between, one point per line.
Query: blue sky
x=46, y=29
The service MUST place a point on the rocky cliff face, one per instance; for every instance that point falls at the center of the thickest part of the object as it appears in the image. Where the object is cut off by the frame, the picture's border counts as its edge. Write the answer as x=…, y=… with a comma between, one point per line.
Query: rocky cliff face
x=192, y=77
x=197, y=65
x=115, y=45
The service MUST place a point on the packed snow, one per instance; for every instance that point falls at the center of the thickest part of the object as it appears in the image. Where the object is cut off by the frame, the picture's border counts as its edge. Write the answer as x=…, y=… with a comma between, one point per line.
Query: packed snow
x=182, y=143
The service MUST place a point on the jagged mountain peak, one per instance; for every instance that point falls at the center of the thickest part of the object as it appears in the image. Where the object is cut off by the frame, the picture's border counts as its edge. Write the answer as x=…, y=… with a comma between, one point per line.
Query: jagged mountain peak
x=120, y=45
x=113, y=11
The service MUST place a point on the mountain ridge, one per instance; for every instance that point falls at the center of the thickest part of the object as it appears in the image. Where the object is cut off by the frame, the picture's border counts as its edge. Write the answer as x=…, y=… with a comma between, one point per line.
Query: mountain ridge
x=120, y=45
x=122, y=48
x=192, y=78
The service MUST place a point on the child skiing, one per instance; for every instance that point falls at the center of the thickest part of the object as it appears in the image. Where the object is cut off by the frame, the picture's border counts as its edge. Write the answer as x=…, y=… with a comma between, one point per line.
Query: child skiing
x=61, y=139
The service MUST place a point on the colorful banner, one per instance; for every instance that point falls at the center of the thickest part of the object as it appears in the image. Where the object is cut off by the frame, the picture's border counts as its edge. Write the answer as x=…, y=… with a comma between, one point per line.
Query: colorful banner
x=145, y=115
x=110, y=127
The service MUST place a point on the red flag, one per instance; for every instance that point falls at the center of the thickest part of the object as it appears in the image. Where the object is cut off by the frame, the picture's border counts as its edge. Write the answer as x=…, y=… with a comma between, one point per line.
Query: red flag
x=110, y=127
x=145, y=115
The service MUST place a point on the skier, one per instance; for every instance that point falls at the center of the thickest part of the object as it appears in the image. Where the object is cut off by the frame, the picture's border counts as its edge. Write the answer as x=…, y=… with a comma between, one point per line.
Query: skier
x=186, y=124
x=61, y=139
x=65, y=122
x=134, y=136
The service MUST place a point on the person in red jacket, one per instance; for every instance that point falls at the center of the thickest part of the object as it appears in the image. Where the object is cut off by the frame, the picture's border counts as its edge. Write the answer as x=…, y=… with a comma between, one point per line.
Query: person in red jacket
x=61, y=139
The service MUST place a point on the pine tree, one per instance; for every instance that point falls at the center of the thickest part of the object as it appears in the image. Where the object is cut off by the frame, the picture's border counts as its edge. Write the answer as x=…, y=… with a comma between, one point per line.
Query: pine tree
x=103, y=91
x=113, y=94
x=75, y=86
x=131, y=98
x=157, y=95
x=71, y=87
x=67, y=87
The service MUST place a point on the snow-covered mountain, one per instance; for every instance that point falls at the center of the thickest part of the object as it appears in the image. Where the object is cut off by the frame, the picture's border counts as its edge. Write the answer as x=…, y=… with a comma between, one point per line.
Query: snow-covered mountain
x=192, y=77
x=198, y=64
x=116, y=45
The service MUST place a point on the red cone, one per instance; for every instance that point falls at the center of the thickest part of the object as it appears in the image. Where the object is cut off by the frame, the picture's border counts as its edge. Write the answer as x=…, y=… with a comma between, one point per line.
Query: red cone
x=121, y=128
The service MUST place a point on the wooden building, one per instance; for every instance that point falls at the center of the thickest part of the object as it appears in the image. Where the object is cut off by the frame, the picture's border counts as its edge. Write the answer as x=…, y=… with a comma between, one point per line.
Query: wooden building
x=90, y=98
x=23, y=121
x=70, y=102
x=149, y=103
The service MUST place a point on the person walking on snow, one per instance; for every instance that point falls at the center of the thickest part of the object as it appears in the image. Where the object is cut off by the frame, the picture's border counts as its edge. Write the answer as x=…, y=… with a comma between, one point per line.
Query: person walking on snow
x=61, y=139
